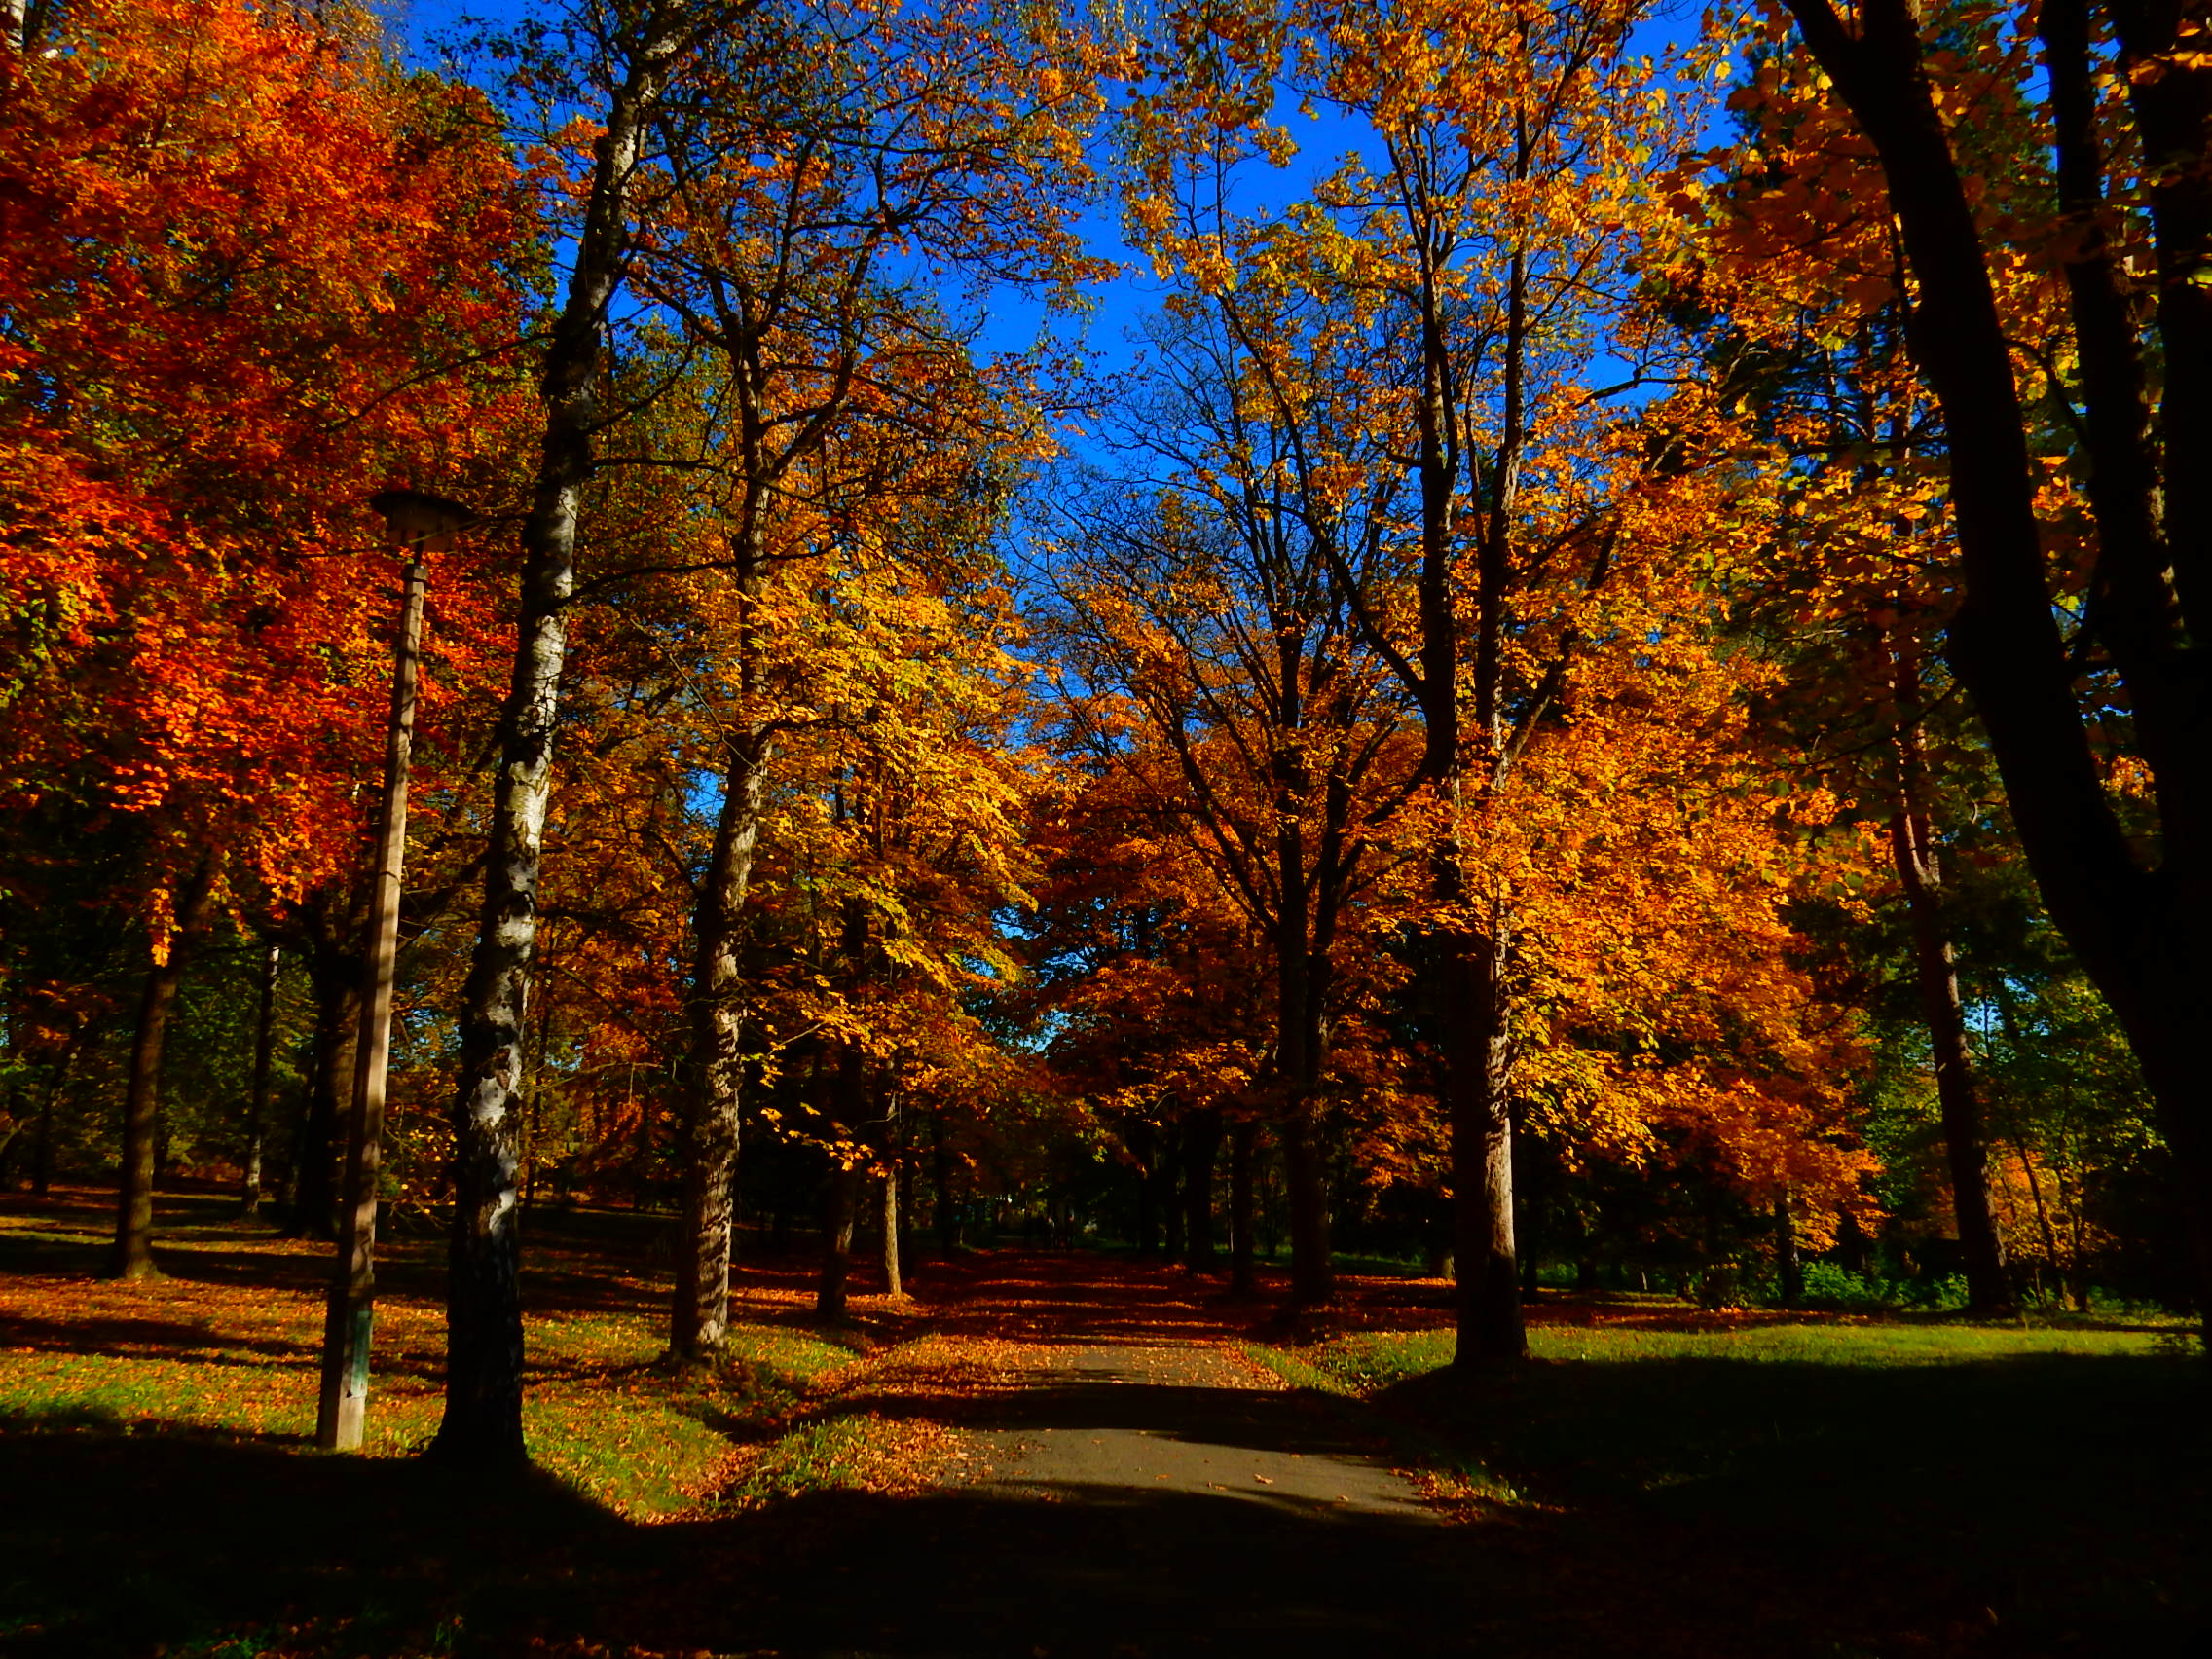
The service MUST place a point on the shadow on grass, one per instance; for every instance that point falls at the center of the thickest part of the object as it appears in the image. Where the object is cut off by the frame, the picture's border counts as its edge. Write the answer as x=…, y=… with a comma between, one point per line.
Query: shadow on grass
x=2058, y=1502
x=154, y=1336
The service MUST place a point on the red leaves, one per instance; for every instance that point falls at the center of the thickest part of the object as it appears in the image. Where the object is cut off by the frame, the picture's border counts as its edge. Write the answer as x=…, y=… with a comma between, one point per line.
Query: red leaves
x=237, y=254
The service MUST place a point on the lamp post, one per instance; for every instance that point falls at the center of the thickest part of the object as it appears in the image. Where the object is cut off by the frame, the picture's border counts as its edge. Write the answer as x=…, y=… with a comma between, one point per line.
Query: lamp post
x=415, y=524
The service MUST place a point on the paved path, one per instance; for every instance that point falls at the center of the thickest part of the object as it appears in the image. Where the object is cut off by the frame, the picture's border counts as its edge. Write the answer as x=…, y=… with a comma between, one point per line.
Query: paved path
x=1132, y=1501
x=1182, y=1420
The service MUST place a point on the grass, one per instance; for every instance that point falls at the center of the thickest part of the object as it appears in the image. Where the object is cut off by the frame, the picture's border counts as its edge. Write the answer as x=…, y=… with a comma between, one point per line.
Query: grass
x=1367, y=1361
x=225, y=1343
x=1890, y=1474
x=165, y=1426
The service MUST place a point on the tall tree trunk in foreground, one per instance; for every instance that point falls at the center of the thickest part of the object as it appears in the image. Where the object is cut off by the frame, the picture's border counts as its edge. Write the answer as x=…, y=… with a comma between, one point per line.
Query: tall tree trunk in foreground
x=483, y=1413
x=133, y=1256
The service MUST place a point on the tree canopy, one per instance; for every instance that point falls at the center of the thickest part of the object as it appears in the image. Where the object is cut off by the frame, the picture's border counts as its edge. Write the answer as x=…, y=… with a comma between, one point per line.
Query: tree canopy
x=1603, y=681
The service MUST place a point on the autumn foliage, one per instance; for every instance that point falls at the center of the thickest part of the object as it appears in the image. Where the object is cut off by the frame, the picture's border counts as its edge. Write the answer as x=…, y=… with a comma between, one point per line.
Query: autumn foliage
x=1505, y=727
x=246, y=268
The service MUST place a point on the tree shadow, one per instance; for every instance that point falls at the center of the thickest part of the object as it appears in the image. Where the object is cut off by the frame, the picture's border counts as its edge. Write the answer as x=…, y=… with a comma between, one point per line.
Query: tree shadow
x=144, y=1541
x=2035, y=1504
x=159, y=1337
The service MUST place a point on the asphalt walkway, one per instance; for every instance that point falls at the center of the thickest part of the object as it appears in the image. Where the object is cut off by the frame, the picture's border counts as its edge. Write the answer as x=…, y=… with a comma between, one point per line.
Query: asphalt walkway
x=1141, y=1499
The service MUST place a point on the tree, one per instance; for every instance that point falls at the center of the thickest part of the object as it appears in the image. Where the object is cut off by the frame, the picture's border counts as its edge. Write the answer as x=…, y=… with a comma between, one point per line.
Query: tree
x=2129, y=109
x=1488, y=240
x=634, y=50
x=1203, y=614
x=826, y=150
x=212, y=208
x=1851, y=600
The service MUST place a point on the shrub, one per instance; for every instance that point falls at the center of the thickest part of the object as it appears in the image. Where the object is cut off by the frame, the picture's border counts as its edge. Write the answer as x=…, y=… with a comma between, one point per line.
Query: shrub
x=1827, y=1285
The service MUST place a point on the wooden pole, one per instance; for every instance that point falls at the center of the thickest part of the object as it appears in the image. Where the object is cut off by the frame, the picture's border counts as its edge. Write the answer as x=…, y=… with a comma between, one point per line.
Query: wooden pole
x=344, y=1409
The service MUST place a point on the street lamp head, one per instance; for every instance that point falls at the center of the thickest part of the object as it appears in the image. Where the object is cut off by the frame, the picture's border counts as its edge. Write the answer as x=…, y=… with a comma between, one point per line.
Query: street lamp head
x=419, y=523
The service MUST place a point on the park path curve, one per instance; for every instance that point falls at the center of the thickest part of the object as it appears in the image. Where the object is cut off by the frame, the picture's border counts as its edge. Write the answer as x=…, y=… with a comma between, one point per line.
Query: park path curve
x=1131, y=1490
x=1183, y=1418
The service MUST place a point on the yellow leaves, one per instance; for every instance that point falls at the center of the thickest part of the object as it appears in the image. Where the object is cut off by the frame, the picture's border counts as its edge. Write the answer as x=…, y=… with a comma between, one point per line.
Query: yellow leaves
x=1816, y=806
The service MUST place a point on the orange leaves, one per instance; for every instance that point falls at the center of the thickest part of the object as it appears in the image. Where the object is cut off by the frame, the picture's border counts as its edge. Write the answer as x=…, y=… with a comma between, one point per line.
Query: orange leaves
x=236, y=254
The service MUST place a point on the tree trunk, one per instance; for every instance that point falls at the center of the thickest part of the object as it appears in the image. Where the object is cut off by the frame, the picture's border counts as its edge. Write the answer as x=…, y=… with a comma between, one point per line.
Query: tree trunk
x=133, y=1255
x=484, y=1352
x=257, y=1101
x=1989, y=1286
x=641, y=1156
x=1528, y=1181
x=1313, y=1282
x=335, y=974
x=41, y=1149
x=2043, y=1211
x=1298, y=1038
x=11, y=1138
x=1201, y=1143
x=350, y=1323
x=908, y=1199
x=537, y=1061
x=1489, y=1324
x=1170, y=1167
x=947, y=1215
x=709, y=1131
x=1790, y=1272
x=894, y=1286
x=1144, y=1143
x=1442, y=1228
x=1243, y=1274
x=841, y=1206
x=841, y=1192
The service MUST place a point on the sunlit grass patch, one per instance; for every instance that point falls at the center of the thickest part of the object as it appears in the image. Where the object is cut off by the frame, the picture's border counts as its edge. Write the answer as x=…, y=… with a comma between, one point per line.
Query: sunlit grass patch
x=1367, y=1362
x=848, y=1451
x=598, y=1410
x=1876, y=1342
x=647, y=1439
x=135, y=1393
